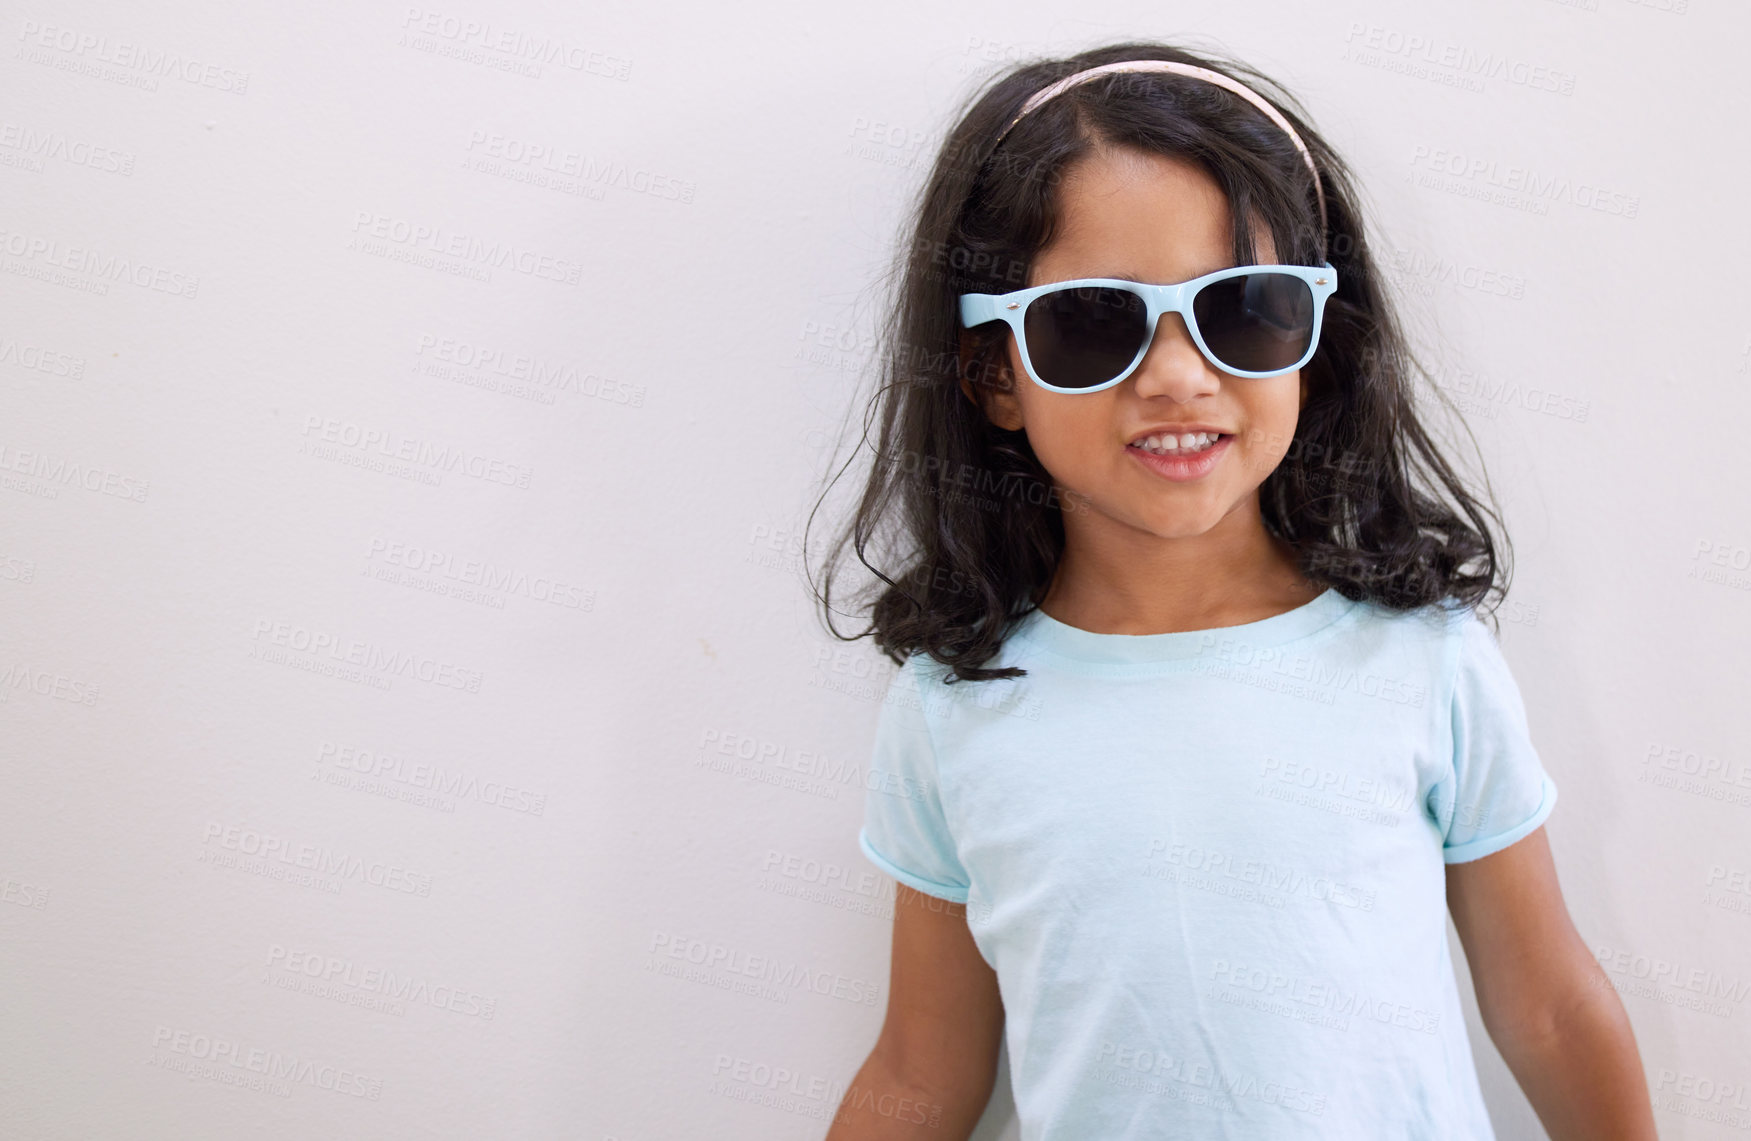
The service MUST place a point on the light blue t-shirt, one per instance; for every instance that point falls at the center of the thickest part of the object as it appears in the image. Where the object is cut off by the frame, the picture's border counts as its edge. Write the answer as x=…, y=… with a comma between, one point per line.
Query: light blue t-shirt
x=1208, y=866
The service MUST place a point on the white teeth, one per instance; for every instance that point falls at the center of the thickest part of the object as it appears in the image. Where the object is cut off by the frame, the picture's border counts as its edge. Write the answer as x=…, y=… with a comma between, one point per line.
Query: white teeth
x=1169, y=444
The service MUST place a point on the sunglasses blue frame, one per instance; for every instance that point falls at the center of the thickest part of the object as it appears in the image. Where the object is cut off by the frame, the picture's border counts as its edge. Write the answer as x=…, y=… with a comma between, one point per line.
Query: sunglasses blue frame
x=980, y=308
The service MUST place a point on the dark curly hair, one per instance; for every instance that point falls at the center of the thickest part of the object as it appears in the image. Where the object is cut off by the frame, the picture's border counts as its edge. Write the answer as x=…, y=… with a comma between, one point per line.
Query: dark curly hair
x=963, y=521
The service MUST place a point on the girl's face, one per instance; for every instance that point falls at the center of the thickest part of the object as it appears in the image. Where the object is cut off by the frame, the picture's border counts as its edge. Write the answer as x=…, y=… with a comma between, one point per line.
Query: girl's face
x=1128, y=213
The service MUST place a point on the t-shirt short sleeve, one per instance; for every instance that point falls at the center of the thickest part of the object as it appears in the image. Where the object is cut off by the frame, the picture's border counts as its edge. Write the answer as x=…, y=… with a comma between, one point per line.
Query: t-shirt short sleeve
x=904, y=831
x=1497, y=792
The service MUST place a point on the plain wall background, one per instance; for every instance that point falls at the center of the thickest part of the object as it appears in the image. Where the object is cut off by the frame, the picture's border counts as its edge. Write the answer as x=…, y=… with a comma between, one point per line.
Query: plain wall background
x=614, y=306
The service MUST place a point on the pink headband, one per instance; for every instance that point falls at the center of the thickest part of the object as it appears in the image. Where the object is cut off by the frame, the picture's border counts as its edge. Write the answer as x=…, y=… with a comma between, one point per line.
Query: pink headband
x=1204, y=73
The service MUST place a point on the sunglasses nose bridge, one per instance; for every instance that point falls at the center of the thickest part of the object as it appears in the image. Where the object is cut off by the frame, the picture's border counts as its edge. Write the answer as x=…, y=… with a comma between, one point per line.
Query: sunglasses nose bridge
x=1162, y=300
x=1165, y=299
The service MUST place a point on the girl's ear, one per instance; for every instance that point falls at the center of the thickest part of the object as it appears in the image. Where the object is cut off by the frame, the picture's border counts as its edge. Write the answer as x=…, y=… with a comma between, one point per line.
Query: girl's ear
x=1303, y=389
x=991, y=387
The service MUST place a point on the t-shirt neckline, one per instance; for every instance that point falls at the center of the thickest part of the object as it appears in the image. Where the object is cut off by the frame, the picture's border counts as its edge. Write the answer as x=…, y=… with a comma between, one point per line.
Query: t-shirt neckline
x=1049, y=634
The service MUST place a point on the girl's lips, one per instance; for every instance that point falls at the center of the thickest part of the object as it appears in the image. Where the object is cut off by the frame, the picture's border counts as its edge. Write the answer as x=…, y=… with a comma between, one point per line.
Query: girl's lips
x=1183, y=468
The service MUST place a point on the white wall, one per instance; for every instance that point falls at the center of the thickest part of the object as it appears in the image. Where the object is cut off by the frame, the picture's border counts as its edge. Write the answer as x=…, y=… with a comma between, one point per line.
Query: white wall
x=326, y=224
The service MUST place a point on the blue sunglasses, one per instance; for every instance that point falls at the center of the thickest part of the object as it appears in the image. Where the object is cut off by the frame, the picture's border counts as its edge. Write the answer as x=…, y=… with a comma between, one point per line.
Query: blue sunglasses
x=1092, y=333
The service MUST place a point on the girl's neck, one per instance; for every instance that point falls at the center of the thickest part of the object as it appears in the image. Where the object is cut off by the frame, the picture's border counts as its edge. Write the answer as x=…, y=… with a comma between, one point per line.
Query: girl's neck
x=1236, y=572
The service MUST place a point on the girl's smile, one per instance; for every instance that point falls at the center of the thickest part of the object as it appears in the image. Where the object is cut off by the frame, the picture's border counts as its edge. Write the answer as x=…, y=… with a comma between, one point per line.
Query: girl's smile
x=1191, y=453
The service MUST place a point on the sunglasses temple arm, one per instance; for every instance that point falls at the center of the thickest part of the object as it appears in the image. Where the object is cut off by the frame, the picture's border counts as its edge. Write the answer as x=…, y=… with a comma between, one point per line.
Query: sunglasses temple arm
x=978, y=308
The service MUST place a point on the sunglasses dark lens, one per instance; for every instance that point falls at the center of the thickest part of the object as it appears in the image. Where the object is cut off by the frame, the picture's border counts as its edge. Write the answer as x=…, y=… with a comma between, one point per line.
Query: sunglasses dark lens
x=1084, y=336
x=1257, y=322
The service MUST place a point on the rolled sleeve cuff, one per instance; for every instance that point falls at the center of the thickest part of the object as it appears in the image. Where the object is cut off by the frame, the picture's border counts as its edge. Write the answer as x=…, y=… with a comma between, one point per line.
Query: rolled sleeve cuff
x=1488, y=845
x=951, y=892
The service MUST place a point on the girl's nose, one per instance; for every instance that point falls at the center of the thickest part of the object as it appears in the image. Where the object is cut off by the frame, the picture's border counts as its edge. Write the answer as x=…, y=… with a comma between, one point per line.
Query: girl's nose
x=1173, y=366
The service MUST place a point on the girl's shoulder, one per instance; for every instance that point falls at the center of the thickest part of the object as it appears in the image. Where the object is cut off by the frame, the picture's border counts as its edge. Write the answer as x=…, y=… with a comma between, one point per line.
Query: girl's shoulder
x=1437, y=633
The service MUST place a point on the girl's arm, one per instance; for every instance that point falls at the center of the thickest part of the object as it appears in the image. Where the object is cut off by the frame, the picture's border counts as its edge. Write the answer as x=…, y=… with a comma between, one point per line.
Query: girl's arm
x=1546, y=1003
x=934, y=1064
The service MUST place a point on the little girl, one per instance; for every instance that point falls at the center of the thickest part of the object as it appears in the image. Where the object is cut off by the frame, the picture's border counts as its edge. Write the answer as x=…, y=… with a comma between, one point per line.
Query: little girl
x=1197, y=735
